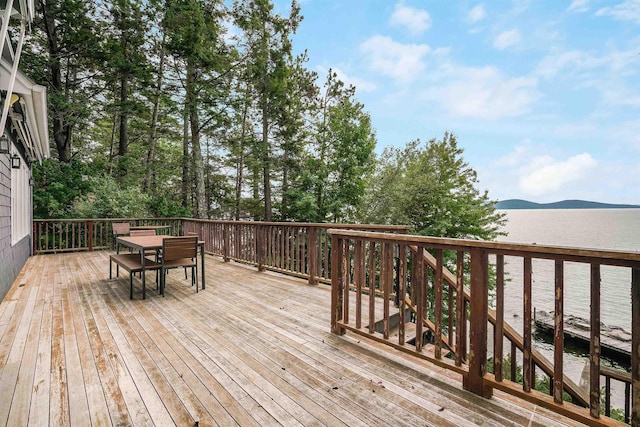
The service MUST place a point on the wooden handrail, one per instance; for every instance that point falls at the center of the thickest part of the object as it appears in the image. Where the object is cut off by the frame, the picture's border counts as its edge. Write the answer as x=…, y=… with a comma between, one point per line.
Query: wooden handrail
x=476, y=378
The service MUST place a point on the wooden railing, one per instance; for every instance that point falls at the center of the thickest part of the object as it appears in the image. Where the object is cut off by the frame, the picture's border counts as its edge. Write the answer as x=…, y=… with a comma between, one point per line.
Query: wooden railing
x=449, y=315
x=297, y=249
x=66, y=235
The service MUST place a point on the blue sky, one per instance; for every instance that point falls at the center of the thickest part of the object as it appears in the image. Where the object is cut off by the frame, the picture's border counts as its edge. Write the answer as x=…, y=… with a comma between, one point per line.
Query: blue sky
x=544, y=96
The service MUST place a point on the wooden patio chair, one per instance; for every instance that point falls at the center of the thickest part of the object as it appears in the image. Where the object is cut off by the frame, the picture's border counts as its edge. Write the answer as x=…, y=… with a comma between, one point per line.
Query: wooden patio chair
x=179, y=252
x=119, y=229
x=190, y=233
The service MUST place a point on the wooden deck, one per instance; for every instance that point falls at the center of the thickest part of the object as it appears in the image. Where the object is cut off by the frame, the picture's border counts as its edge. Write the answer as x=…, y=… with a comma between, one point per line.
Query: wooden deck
x=252, y=349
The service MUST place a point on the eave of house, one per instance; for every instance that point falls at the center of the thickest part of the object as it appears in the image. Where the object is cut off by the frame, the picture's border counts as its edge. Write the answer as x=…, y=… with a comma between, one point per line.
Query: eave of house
x=32, y=127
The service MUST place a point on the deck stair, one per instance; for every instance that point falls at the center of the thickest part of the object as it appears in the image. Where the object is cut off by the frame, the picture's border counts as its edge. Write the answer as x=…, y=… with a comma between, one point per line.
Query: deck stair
x=410, y=330
x=577, y=393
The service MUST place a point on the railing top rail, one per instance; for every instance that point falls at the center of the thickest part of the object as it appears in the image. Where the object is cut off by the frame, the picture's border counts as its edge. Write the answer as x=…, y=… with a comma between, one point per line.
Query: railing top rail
x=103, y=219
x=307, y=224
x=399, y=228
x=608, y=257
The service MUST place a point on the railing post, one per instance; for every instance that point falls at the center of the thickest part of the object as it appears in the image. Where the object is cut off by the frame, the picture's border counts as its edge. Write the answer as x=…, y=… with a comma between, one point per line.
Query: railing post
x=225, y=242
x=479, y=314
x=312, y=255
x=260, y=241
x=595, y=350
x=337, y=284
x=90, y=232
x=635, y=346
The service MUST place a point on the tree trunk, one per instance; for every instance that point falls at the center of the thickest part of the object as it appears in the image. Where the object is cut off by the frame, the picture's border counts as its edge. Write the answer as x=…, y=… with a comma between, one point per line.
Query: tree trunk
x=256, y=187
x=123, y=143
x=61, y=130
x=185, y=157
x=112, y=141
x=266, y=167
x=194, y=122
x=240, y=160
x=150, y=172
x=284, y=209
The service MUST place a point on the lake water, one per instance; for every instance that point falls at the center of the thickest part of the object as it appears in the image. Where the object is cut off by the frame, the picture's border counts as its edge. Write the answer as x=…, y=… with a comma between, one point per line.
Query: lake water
x=609, y=229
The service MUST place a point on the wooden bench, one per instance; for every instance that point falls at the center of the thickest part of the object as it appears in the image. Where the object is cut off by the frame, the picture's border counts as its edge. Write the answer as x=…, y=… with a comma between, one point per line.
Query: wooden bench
x=133, y=264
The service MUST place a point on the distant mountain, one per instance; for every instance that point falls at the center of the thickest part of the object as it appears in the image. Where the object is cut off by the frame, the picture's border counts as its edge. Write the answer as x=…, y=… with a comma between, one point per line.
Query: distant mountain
x=565, y=204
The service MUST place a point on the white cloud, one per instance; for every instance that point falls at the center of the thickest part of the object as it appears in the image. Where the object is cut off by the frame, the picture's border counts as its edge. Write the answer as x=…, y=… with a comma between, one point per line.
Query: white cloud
x=553, y=64
x=360, y=84
x=578, y=6
x=618, y=63
x=628, y=10
x=416, y=21
x=476, y=14
x=397, y=60
x=516, y=156
x=507, y=39
x=546, y=175
x=484, y=93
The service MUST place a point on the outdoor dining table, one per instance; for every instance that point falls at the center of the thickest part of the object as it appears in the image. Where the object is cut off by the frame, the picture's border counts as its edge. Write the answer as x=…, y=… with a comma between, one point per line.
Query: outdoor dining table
x=153, y=243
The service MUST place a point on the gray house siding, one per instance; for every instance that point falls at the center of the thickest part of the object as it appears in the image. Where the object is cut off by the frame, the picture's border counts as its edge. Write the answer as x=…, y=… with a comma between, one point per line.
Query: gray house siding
x=12, y=258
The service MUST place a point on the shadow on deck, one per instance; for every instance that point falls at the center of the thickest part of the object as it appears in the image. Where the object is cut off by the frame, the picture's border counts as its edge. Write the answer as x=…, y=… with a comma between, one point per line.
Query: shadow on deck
x=252, y=349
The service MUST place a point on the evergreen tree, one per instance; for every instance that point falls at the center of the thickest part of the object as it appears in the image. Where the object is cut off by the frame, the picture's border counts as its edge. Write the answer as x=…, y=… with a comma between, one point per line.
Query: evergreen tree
x=430, y=187
x=63, y=52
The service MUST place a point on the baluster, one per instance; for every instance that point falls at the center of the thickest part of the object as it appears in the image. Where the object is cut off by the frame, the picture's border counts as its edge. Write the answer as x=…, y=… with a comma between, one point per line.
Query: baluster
x=386, y=276
x=607, y=395
x=326, y=263
x=461, y=318
x=514, y=361
x=312, y=255
x=438, y=301
x=226, y=236
x=372, y=286
x=527, y=378
x=300, y=245
x=359, y=273
x=627, y=400
x=498, y=330
x=594, y=371
x=402, y=290
x=346, y=255
x=450, y=313
x=90, y=233
x=337, y=284
x=558, y=335
x=419, y=296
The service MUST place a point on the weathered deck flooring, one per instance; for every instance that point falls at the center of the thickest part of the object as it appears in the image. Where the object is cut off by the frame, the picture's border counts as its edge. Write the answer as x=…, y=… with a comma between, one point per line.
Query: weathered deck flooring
x=252, y=349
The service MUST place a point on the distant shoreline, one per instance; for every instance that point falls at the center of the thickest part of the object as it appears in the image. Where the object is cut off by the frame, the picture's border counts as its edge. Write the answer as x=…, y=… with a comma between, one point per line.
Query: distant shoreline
x=564, y=204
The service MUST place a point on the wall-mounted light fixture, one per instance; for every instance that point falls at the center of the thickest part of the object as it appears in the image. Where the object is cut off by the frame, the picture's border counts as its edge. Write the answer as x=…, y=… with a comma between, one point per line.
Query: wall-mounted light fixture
x=4, y=144
x=31, y=183
x=15, y=161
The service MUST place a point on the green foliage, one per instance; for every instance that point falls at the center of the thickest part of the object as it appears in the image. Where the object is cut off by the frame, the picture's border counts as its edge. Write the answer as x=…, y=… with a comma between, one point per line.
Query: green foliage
x=58, y=184
x=541, y=383
x=431, y=188
x=107, y=199
x=338, y=158
x=167, y=206
x=172, y=116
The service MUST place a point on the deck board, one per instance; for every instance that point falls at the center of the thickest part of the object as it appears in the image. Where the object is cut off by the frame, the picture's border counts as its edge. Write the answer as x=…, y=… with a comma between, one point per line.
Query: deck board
x=253, y=349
